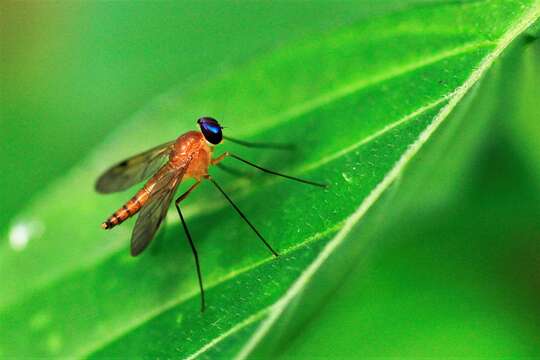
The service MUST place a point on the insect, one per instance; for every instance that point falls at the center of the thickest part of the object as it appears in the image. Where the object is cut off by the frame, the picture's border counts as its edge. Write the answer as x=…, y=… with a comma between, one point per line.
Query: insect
x=166, y=166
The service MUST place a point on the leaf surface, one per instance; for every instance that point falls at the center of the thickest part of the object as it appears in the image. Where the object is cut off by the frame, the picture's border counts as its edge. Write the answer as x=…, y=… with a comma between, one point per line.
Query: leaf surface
x=360, y=103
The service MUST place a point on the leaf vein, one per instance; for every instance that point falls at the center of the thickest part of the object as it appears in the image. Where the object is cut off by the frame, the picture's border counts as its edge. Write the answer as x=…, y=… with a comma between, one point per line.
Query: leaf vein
x=233, y=330
x=320, y=101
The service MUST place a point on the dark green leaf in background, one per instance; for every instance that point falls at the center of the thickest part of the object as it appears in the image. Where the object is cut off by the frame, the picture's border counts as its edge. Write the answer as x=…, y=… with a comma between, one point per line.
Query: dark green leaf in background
x=363, y=102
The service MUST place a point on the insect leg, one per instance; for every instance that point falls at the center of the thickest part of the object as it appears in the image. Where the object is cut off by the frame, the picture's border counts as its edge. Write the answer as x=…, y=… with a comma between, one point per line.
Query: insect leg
x=220, y=158
x=233, y=171
x=243, y=216
x=274, y=146
x=227, y=154
x=190, y=240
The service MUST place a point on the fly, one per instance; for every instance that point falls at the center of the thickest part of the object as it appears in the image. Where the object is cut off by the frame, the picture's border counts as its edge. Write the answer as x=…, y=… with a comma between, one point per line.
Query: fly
x=166, y=166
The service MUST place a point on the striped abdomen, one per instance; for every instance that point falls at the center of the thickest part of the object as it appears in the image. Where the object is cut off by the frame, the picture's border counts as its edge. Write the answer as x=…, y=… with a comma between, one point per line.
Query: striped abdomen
x=130, y=208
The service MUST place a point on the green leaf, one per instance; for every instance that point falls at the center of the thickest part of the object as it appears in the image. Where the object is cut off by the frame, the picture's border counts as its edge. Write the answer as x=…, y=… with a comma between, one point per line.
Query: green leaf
x=361, y=103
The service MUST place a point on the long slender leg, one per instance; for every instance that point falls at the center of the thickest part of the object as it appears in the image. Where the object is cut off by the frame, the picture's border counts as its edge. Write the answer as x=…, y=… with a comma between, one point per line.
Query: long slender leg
x=233, y=171
x=250, y=144
x=227, y=154
x=190, y=240
x=243, y=216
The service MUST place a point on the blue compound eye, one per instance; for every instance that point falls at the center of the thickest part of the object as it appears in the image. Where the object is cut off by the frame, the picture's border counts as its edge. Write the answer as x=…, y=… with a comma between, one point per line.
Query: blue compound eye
x=211, y=130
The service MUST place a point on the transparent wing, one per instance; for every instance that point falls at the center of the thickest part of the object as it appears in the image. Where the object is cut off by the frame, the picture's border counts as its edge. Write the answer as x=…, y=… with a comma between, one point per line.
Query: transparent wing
x=155, y=210
x=133, y=170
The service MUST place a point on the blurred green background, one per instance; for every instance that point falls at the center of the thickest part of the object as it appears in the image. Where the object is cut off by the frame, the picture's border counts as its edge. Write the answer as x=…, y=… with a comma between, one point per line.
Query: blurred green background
x=446, y=269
